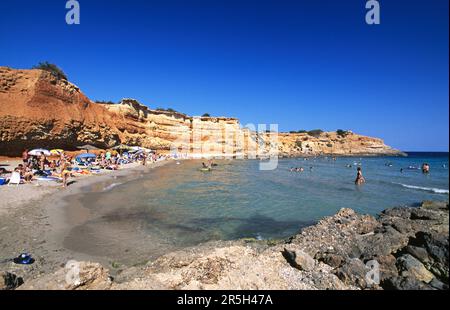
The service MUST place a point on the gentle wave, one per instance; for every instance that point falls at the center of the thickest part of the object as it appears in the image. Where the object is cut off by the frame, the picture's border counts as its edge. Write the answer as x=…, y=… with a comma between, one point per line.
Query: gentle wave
x=428, y=189
x=111, y=186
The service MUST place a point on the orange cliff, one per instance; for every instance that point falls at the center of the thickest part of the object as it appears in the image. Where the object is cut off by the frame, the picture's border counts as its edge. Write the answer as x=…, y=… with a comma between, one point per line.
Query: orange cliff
x=38, y=110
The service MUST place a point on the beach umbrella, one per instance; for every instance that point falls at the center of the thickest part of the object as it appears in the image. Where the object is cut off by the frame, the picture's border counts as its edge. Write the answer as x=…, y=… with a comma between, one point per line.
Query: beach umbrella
x=135, y=149
x=88, y=147
x=56, y=151
x=121, y=147
x=87, y=155
x=37, y=152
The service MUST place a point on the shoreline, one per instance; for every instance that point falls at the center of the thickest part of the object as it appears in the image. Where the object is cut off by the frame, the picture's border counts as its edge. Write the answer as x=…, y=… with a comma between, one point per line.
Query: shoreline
x=37, y=225
x=44, y=228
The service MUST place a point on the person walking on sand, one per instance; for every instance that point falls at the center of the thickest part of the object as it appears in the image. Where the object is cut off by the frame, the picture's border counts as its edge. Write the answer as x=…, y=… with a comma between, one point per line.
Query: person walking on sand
x=64, y=172
x=359, y=177
x=144, y=160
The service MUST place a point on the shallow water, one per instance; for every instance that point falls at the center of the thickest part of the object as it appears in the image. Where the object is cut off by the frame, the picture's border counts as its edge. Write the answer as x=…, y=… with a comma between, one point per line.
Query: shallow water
x=144, y=215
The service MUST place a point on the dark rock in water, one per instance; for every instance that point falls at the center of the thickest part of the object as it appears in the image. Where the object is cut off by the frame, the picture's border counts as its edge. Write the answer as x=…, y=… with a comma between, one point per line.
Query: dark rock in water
x=9, y=281
x=409, y=266
x=404, y=283
x=353, y=272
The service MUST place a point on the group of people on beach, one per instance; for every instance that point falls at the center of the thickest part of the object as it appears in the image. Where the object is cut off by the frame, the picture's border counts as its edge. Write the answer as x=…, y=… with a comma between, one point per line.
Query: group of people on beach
x=62, y=166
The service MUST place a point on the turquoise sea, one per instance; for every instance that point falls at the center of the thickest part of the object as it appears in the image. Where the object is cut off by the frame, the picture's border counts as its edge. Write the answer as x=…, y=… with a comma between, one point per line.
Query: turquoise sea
x=177, y=205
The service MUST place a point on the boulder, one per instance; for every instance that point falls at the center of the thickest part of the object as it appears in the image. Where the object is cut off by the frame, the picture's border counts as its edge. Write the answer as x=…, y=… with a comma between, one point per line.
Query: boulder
x=419, y=253
x=404, y=283
x=74, y=276
x=387, y=266
x=331, y=259
x=385, y=241
x=299, y=259
x=410, y=266
x=353, y=272
x=437, y=246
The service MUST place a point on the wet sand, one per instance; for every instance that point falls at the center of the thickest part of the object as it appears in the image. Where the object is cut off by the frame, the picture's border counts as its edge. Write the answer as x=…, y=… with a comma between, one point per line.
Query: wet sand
x=35, y=218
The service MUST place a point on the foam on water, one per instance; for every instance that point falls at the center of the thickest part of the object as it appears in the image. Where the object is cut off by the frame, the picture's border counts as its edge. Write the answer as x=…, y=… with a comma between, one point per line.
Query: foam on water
x=428, y=189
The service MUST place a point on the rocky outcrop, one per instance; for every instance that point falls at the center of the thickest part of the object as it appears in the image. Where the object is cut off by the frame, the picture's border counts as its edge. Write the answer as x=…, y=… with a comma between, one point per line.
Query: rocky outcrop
x=403, y=248
x=38, y=110
x=80, y=276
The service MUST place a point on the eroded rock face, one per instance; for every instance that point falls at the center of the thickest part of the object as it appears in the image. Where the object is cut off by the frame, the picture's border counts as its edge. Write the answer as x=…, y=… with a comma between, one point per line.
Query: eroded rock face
x=37, y=110
x=336, y=253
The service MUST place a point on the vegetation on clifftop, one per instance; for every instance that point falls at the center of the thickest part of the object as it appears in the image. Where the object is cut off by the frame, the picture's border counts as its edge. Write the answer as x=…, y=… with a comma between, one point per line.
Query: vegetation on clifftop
x=53, y=69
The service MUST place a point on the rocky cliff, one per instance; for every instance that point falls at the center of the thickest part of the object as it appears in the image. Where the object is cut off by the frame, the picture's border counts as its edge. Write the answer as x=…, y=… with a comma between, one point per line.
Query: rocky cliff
x=39, y=110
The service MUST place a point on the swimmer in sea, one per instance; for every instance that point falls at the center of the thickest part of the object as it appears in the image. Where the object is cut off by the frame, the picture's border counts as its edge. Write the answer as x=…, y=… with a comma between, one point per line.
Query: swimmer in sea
x=425, y=168
x=359, y=177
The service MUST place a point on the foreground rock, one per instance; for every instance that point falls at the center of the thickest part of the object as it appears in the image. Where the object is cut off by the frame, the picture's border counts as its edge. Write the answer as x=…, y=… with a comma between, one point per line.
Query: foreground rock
x=404, y=248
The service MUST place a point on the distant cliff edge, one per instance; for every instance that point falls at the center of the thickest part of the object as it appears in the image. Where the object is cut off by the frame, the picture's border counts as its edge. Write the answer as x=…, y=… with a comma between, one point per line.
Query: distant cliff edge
x=39, y=110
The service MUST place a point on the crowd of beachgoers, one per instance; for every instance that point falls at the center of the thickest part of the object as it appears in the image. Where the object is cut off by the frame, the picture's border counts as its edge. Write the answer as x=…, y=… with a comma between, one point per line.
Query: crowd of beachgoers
x=59, y=166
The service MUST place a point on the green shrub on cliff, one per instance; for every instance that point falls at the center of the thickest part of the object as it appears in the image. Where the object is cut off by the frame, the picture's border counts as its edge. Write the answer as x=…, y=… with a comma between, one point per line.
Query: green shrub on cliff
x=315, y=133
x=53, y=69
x=104, y=102
x=206, y=115
x=166, y=110
x=341, y=133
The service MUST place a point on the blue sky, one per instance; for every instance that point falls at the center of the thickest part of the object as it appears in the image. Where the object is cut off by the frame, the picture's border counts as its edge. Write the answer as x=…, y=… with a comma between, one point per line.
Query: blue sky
x=300, y=64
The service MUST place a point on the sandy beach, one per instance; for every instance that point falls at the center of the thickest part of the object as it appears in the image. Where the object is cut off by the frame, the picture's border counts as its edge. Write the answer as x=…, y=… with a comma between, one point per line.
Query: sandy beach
x=34, y=219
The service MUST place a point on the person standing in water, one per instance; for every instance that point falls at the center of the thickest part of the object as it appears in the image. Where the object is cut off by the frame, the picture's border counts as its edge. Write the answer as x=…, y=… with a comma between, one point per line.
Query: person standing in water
x=359, y=177
x=425, y=168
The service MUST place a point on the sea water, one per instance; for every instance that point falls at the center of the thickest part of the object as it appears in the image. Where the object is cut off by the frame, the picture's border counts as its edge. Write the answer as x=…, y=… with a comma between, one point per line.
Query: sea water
x=178, y=205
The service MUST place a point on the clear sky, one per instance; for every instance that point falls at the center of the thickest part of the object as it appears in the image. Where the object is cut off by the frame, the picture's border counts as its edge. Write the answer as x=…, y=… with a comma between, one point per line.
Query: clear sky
x=300, y=64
